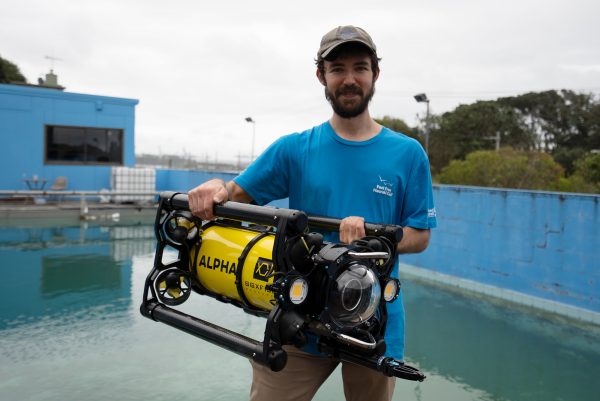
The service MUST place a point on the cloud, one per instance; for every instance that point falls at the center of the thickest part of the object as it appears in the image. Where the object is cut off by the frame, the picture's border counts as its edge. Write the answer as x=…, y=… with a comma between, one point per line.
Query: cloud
x=200, y=68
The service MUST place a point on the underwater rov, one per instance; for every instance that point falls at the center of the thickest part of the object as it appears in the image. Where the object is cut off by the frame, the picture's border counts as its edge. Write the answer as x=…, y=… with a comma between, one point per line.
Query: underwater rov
x=265, y=261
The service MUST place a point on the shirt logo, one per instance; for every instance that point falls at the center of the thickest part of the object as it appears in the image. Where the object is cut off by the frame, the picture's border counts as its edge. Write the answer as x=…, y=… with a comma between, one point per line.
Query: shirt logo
x=384, y=187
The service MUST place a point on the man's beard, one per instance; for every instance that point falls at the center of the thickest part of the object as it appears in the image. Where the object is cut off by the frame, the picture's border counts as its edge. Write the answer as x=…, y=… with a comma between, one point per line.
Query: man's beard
x=346, y=111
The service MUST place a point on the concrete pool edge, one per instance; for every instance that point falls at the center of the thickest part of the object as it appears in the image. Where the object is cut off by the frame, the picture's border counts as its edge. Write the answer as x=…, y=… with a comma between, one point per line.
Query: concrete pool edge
x=556, y=308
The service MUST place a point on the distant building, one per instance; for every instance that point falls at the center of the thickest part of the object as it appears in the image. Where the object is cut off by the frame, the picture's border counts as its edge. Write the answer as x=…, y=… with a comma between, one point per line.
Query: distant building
x=47, y=133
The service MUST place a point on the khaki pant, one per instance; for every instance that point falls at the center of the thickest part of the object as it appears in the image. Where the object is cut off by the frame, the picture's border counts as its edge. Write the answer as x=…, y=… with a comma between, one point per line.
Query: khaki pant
x=305, y=373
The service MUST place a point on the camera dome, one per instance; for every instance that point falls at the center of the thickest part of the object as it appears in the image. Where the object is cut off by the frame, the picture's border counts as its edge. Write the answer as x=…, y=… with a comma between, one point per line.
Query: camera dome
x=354, y=296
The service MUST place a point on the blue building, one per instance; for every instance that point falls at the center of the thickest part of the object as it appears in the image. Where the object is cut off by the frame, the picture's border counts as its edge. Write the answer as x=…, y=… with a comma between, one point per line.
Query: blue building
x=48, y=133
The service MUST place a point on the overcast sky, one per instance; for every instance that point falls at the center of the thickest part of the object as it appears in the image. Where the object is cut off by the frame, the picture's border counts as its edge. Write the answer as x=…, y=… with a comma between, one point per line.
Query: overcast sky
x=199, y=68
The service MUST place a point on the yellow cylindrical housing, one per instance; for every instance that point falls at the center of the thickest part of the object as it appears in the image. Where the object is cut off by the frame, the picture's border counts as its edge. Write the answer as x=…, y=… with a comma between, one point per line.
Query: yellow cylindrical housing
x=218, y=261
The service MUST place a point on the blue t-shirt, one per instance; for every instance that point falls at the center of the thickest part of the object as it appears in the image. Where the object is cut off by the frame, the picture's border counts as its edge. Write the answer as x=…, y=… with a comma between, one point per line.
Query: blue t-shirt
x=385, y=179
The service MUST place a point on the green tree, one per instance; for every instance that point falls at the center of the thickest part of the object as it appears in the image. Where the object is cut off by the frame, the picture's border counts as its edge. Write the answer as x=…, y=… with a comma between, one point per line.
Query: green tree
x=507, y=168
x=586, y=177
x=593, y=121
x=589, y=168
x=398, y=125
x=567, y=157
x=563, y=123
x=562, y=120
x=576, y=183
x=475, y=127
x=9, y=72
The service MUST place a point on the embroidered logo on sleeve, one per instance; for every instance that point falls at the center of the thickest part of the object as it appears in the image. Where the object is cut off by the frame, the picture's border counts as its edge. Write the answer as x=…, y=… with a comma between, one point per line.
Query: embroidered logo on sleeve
x=384, y=187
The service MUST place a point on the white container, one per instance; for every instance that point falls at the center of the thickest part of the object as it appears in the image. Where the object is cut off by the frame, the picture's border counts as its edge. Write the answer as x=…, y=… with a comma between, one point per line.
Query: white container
x=133, y=180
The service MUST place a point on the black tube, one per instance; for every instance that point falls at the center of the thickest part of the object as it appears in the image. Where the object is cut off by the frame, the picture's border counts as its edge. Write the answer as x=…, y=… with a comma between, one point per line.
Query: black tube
x=390, y=231
x=266, y=215
x=387, y=366
x=229, y=340
x=296, y=220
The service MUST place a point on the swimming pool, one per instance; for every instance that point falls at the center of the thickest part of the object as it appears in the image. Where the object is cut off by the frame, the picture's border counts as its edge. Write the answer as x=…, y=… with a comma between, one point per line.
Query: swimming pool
x=70, y=330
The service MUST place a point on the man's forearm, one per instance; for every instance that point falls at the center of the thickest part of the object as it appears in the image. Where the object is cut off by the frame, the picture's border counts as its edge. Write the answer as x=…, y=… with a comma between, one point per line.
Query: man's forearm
x=237, y=193
x=413, y=240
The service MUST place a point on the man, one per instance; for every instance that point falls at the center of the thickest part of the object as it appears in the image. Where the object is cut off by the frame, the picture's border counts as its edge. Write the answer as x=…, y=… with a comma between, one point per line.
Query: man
x=350, y=168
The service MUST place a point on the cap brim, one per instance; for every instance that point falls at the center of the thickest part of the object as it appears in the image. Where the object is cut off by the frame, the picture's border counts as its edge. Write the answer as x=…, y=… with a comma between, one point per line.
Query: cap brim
x=327, y=51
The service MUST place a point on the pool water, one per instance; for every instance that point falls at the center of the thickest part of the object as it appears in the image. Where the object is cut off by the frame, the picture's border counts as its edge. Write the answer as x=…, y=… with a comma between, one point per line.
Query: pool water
x=70, y=329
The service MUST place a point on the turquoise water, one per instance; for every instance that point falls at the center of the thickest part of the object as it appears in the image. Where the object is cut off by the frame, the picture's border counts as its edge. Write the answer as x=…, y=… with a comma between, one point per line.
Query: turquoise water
x=70, y=330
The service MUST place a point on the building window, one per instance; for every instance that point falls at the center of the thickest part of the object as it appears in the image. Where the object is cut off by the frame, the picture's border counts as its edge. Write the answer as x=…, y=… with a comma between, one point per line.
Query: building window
x=83, y=145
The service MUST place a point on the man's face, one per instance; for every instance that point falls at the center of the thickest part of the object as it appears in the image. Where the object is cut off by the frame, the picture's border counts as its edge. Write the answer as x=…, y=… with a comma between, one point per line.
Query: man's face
x=349, y=84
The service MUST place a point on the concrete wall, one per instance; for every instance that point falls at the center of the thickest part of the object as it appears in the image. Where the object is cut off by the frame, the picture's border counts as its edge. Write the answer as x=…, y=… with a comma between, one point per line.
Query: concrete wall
x=24, y=112
x=542, y=244
x=184, y=180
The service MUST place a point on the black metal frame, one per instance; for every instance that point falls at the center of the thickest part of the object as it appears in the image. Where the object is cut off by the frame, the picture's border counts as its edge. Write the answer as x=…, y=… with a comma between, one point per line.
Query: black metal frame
x=284, y=325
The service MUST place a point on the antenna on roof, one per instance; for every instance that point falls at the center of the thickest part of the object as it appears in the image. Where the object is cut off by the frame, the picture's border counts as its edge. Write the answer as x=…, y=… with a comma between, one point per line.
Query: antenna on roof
x=51, y=80
x=52, y=60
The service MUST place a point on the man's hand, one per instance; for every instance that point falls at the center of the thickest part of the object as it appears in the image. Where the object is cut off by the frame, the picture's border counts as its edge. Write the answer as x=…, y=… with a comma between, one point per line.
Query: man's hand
x=203, y=198
x=413, y=241
x=352, y=228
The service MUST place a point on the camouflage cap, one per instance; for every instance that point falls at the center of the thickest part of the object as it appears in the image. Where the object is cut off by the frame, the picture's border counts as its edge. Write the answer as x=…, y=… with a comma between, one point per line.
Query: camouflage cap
x=344, y=34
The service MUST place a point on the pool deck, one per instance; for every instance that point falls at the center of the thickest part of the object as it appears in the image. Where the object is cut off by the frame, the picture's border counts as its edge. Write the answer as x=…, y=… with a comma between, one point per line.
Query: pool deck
x=18, y=212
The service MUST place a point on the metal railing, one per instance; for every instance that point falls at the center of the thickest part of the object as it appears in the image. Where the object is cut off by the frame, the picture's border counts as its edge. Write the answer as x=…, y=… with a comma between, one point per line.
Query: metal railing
x=103, y=196
x=74, y=193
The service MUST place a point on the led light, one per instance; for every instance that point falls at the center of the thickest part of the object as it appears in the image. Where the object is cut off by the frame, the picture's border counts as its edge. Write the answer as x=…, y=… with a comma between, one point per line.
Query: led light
x=298, y=291
x=390, y=291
